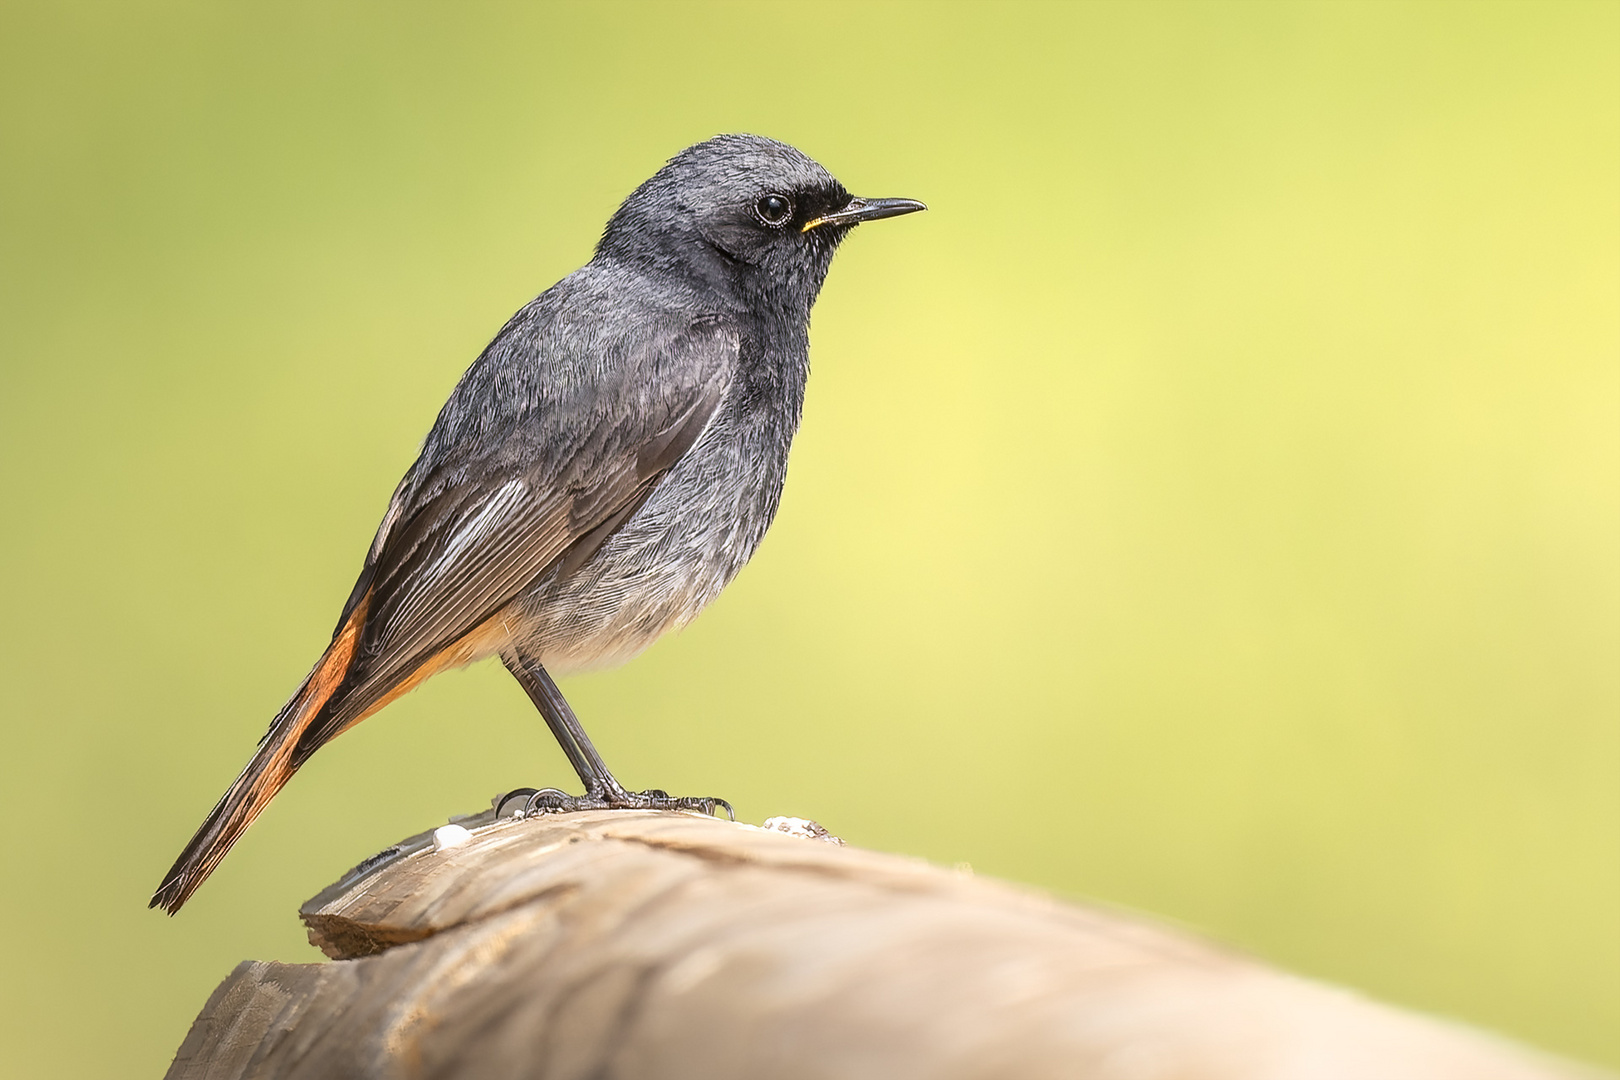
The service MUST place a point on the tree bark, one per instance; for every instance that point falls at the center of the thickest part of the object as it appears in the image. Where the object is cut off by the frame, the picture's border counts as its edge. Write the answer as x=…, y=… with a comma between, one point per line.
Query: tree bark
x=664, y=945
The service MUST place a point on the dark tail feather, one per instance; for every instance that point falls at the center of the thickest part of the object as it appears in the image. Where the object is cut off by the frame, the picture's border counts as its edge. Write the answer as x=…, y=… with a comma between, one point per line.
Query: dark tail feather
x=269, y=770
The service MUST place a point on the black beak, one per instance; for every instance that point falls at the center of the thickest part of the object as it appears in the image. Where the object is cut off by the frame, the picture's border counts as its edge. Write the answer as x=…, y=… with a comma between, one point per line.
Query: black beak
x=859, y=210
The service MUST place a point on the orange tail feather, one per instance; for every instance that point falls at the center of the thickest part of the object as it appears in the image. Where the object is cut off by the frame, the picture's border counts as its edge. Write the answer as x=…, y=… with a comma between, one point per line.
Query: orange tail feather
x=268, y=771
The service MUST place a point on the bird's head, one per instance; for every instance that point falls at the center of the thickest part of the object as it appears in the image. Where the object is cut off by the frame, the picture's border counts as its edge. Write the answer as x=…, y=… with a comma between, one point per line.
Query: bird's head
x=748, y=218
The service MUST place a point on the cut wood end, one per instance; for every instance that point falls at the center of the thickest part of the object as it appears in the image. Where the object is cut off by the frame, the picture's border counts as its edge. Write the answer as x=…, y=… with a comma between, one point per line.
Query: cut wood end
x=420, y=887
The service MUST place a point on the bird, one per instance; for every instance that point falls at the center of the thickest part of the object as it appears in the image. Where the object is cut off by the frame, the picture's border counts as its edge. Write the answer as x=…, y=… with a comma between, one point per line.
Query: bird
x=602, y=470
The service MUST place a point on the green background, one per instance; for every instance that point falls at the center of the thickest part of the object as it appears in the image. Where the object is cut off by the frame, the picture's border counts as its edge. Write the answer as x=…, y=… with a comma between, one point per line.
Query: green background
x=1212, y=506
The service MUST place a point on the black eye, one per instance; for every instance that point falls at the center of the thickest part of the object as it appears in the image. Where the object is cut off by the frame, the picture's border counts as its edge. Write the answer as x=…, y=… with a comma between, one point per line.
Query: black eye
x=773, y=209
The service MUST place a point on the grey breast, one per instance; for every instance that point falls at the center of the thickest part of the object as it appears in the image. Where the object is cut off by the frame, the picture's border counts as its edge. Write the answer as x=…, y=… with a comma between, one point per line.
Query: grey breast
x=670, y=558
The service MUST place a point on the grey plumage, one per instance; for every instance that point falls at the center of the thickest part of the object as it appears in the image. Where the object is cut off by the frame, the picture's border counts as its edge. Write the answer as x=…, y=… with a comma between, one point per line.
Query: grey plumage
x=603, y=469
x=669, y=311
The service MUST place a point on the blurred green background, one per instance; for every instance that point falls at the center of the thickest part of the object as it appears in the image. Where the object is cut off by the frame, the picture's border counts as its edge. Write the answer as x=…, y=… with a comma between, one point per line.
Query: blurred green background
x=1212, y=506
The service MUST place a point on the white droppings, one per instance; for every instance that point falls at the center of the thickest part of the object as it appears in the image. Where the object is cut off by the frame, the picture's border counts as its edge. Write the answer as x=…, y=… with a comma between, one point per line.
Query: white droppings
x=798, y=826
x=449, y=836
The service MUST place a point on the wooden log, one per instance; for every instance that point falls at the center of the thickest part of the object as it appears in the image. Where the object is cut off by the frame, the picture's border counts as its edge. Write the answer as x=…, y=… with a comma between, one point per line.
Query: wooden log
x=663, y=945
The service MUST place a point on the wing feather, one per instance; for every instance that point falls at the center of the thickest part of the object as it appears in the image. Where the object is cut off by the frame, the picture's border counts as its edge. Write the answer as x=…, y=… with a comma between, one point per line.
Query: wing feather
x=464, y=537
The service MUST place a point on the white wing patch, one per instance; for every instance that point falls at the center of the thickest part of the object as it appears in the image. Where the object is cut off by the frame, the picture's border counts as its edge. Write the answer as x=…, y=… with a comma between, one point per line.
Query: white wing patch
x=505, y=500
x=500, y=505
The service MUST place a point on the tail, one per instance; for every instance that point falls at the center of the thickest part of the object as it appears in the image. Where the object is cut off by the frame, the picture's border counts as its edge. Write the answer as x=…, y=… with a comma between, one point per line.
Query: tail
x=268, y=771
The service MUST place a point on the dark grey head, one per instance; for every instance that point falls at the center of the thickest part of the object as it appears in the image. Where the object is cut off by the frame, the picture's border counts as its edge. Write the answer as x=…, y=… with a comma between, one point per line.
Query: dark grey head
x=746, y=220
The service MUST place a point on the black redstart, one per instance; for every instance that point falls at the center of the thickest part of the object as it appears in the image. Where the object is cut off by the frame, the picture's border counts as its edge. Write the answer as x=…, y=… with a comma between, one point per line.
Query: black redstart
x=599, y=474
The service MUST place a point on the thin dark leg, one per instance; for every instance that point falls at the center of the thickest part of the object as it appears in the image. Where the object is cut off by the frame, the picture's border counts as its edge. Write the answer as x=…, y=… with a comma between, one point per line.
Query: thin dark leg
x=582, y=754
x=602, y=791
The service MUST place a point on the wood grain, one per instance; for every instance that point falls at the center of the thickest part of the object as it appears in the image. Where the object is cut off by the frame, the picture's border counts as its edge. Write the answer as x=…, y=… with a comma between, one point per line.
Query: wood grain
x=664, y=945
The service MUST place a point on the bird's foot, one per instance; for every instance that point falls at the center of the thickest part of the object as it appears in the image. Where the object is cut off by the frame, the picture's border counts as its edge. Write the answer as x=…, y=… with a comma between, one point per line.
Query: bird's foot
x=528, y=802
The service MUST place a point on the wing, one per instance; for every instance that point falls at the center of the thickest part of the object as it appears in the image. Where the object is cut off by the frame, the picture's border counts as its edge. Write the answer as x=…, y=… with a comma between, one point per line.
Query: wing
x=488, y=509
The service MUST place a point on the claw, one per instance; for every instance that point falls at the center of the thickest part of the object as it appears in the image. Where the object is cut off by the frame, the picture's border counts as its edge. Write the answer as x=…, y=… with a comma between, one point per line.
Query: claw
x=533, y=801
x=553, y=801
x=500, y=801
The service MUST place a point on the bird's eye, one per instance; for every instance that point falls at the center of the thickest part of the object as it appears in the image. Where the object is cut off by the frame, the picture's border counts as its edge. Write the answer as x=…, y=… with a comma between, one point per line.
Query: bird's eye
x=773, y=209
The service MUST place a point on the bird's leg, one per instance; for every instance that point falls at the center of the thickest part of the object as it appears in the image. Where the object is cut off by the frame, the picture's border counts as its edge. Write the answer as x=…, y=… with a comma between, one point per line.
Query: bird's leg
x=602, y=791
x=565, y=727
